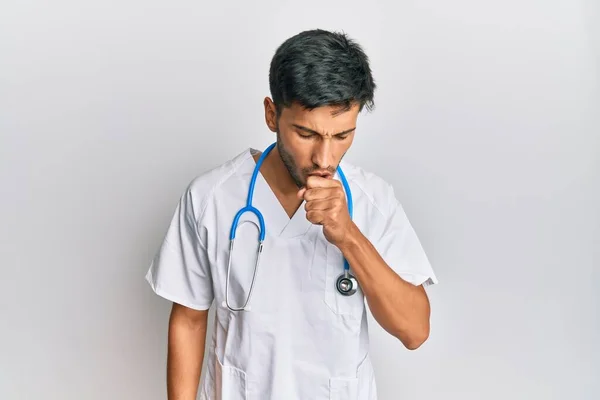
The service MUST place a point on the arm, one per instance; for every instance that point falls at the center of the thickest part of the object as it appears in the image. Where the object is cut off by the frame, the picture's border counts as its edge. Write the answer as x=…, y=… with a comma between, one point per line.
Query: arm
x=400, y=307
x=187, y=336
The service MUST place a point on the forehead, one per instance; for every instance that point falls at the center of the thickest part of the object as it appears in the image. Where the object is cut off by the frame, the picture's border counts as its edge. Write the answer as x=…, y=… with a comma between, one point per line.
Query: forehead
x=326, y=119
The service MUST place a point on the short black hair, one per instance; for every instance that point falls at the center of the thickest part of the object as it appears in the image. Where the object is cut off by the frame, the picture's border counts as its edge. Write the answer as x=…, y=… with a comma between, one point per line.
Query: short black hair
x=320, y=68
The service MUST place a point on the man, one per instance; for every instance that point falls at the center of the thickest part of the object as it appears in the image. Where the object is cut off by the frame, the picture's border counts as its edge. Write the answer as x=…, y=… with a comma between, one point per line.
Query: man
x=295, y=330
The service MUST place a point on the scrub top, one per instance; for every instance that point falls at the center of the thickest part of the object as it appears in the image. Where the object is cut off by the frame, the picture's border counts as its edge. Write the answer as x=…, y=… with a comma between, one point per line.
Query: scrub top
x=300, y=339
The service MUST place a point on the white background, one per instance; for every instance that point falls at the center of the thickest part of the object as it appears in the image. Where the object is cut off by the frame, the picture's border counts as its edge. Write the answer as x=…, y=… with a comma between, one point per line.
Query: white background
x=487, y=124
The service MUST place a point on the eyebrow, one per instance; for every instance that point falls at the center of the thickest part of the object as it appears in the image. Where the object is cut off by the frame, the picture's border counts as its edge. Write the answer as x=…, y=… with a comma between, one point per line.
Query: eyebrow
x=305, y=129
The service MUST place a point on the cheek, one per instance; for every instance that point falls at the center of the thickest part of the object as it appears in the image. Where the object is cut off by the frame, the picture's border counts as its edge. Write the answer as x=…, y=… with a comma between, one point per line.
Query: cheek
x=300, y=150
x=296, y=144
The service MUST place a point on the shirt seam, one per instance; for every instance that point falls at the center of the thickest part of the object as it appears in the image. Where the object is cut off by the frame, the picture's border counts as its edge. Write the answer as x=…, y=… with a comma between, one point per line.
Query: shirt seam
x=370, y=198
x=235, y=166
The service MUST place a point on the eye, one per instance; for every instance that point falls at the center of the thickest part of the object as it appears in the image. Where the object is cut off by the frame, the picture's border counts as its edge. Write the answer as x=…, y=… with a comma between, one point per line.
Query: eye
x=342, y=137
x=305, y=135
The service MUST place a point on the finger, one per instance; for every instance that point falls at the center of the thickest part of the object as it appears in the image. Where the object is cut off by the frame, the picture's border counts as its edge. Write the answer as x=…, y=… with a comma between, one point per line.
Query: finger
x=321, y=193
x=316, y=194
x=320, y=204
x=315, y=181
x=315, y=216
x=301, y=192
x=324, y=217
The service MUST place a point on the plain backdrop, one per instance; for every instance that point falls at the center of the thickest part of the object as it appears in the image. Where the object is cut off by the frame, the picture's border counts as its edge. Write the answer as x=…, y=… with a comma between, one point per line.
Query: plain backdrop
x=487, y=125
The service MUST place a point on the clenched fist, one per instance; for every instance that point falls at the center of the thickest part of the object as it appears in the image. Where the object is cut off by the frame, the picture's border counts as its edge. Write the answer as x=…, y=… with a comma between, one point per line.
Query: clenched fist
x=326, y=205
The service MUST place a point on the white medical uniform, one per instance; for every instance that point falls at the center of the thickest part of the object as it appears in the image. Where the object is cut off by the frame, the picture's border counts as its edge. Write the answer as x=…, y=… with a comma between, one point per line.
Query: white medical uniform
x=300, y=339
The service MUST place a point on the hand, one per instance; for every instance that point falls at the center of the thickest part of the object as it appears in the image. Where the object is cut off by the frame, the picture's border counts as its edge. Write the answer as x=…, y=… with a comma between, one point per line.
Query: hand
x=326, y=206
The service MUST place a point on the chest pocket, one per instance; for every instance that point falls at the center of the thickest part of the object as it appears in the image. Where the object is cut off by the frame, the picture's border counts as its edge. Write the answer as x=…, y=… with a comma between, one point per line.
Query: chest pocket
x=348, y=306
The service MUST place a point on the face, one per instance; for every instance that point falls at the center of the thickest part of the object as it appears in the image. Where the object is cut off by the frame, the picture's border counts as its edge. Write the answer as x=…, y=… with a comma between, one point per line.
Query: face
x=312, y=142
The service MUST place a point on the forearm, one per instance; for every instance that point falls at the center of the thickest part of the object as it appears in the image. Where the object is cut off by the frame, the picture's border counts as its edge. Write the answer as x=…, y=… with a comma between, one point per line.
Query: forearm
x=400, y=307
x=187, y=338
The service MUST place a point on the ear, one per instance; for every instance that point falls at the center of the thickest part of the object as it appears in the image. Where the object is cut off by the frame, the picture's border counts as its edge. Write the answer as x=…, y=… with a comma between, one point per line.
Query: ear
x=270, y=114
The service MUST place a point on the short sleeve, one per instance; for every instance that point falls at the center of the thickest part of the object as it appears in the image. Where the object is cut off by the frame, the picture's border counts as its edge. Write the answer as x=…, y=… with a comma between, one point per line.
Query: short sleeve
x=180, y=271
x=400, y=247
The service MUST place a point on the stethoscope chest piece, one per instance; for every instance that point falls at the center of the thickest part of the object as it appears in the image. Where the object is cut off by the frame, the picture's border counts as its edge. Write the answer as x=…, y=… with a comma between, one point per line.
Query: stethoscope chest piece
x=346, y=284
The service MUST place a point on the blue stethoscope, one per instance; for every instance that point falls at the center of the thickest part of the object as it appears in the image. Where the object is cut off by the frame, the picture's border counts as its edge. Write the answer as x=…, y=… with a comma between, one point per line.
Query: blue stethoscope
x=346, y=284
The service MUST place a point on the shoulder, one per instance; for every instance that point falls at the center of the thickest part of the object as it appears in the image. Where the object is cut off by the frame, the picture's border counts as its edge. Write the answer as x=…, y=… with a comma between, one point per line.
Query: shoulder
x=204, y=186
x=373, y=188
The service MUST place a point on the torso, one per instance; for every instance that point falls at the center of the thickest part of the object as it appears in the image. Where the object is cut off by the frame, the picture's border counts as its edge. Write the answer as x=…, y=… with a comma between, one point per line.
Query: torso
x=301, y=339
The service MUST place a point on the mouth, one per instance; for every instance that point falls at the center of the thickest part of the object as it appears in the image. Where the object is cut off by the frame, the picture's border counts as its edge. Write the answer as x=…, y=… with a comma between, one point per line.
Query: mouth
x=327, y=175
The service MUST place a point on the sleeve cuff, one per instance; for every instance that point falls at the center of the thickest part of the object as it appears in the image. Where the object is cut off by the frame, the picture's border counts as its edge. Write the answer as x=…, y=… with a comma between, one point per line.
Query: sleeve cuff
x=175, y=299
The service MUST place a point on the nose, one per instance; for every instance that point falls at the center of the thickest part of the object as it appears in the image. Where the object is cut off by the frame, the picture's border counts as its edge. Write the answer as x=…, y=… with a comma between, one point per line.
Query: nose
x=322, y=154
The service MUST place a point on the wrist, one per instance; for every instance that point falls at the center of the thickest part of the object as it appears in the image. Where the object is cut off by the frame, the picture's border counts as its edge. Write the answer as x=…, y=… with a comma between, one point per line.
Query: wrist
x=351, y=238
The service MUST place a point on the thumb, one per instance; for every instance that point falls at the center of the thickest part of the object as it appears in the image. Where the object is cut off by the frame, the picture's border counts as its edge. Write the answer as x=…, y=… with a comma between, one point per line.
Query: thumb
x=301, y=192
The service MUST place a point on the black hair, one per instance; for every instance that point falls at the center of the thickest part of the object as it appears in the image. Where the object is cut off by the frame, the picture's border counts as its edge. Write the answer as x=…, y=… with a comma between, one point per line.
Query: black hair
x=320, y=68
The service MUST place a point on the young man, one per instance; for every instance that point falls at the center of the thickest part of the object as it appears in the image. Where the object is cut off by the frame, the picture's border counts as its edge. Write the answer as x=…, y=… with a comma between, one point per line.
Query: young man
x=290, y=312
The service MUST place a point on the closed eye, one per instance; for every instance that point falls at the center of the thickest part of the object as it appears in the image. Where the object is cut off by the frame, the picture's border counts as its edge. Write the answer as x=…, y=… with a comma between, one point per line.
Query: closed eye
x=306, y=135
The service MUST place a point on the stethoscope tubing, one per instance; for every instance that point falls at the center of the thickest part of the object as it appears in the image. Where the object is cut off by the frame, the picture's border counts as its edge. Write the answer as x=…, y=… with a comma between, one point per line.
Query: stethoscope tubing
x=262, y=231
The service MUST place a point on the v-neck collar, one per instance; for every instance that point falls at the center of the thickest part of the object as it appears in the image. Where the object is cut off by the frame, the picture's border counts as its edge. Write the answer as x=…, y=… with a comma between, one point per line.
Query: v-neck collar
x=277, y=221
